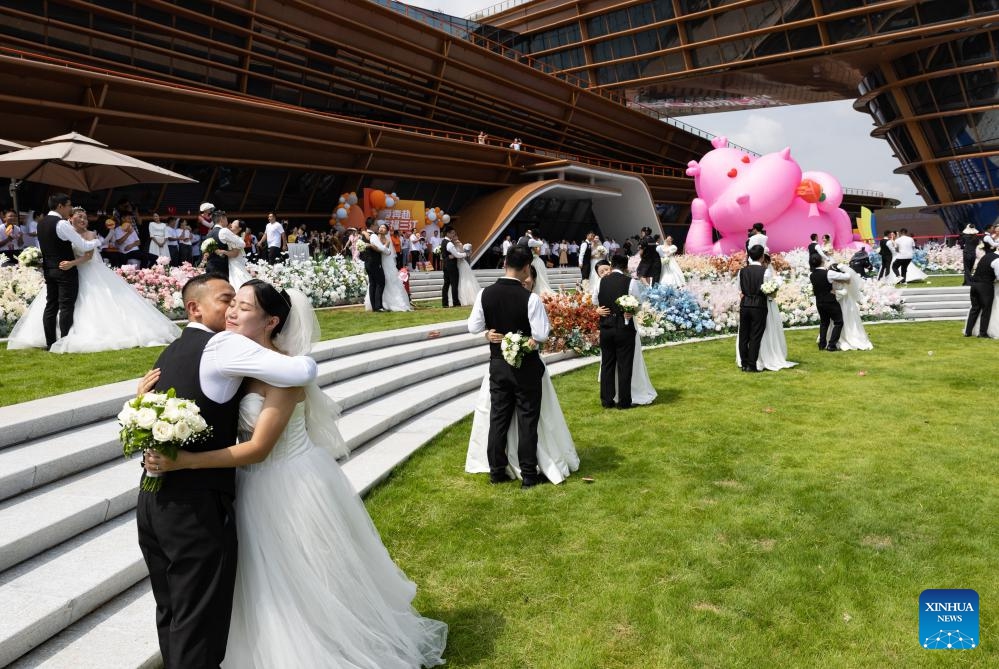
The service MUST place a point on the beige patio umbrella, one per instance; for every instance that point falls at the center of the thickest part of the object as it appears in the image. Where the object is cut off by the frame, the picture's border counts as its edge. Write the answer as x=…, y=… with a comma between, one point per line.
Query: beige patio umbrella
x=76, y=162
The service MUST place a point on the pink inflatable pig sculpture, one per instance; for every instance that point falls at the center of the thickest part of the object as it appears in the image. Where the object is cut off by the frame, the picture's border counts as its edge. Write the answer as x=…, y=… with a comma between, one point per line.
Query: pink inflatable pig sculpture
x=736, y=190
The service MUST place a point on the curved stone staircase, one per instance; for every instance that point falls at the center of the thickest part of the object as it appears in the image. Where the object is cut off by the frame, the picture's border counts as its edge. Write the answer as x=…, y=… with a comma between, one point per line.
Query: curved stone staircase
x=73, y=586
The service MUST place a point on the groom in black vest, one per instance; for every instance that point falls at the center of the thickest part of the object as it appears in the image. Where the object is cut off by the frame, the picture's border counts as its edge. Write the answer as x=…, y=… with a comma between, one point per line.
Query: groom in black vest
x=502, y=308
x=983, y=292
x=752, y=310
x=217, y=262
x=617, y=335
x=187, y=530
x=372, y=258
x=825, y=302
x=449, y=257
x=56, y=238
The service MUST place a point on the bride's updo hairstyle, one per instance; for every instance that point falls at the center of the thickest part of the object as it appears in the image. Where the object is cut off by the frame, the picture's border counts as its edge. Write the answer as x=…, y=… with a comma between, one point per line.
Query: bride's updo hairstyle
x=272, y=301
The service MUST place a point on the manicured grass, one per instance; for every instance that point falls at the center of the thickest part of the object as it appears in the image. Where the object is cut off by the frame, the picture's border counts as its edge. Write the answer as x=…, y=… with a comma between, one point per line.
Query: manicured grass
x=938, y=281
x=783, y=519
x=31, y=374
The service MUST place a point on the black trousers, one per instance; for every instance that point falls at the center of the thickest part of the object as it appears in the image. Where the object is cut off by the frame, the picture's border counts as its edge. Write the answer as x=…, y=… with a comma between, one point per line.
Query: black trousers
x=188, y=540
x=982, y=296
x=414, y=257
x=969, y=266
x=901, y=268
x=273, y=254
x=61, y=288
x=185, y=253
x=617, y=355
x=885, y=267
x=752, y=323
x=376, y=284
x=829, y=312
x=515, y=390
x=450, y=282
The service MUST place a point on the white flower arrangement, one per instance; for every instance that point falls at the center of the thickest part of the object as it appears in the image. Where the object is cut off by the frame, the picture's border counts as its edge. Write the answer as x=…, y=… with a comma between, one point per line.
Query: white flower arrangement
x=515, y=346
x=600, y=252
x=770, y=288
x=30, y=257
x=209, y=246
x=161, y=422
x=629, y=304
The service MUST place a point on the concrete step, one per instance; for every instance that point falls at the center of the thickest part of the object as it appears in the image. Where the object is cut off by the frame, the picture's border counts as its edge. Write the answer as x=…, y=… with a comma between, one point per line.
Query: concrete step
x=44, y=595
x=956, y=313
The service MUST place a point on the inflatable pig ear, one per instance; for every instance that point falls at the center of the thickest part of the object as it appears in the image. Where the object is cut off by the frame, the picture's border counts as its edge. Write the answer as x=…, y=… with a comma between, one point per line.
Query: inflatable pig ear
x=693, y=168
x=719, y=142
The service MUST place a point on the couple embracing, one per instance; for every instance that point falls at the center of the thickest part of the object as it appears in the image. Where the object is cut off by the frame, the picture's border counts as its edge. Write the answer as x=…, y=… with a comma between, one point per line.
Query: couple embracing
x=308, y=583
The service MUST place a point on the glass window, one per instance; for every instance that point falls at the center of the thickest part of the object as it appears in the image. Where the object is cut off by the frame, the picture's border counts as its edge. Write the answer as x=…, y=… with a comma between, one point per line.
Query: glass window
x=596, y=26
x=936, y=12
x=957, y=133
x=617, y=21
x=986, y=126
x=974, y=49
x=772, y=44
x=830, y=6
x=646, y=42
x=701, y=29
x=668, y=36
x=981, y=86
x=848, y=28
x=622, y=47
x=907, y=66
x=948, y=93
x=265, y=190
x=804, y=37
x=663, y=9
x=691, y=6
x=706, y=56
x=885, y=22
x=921, y=98
x=641, y=15
x=77, y=17
x=736, y=50
x=601, y=52
x=762, y=14
x=606, y=75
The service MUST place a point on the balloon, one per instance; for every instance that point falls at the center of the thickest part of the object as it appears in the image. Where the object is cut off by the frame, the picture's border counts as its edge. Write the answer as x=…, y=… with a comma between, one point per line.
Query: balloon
x=446, y=218
x=389, y=201
x=809, y=191
x=341, y=213
x=377, y=198
x=342, y=199
x=352, y=198
x=431, y=215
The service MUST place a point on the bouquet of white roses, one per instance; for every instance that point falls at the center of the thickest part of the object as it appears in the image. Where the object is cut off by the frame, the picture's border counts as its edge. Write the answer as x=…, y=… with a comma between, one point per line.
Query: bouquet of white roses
x=600, y=252
x=208, y=247
x=30, y=257
x=161, y=422
x=628, y=303
x=770, y=288
x=515, y=346
x=361, y=246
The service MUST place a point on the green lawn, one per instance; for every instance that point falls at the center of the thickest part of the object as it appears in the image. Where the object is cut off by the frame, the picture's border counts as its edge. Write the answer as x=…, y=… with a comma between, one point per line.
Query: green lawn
x=30, y=374
x=783, y=519
x=938, y=281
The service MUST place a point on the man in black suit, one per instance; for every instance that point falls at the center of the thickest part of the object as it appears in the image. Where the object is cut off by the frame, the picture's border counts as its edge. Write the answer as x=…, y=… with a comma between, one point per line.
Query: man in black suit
x=56, y=239
x=218, y=261
x=752, y=310
x=502, y=308
x=617, y=334
x=651, y=267
x=372, y=258
x=885, y=251
x=525, y=239
x=585, y=255
x=825, y=302
x=969, y=244
x=983, y=292
x=450, y=254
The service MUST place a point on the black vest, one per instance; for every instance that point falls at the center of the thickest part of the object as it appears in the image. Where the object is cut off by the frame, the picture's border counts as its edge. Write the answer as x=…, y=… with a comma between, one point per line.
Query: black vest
x=504, y=305
x=969, y=243
x=984, y=272
x=449, y=260
x=613, y=286
x=217, y=263
x=54, y=250
x=750, y=282
x=586, y=256
x=821, y=287
x=180, y=364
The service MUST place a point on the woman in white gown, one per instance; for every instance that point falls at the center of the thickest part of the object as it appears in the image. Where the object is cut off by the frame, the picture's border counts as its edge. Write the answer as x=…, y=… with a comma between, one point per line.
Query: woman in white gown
x=773, y=346
x=468, y=285
x=912, y=273
x=159, y=238
x=315, y=586
x=672, y=275
x=642, y=390
x=231, y=237
x=109, y=314
x=849, y=294
x=557, y=456
x=543, y=285
x=395, y=297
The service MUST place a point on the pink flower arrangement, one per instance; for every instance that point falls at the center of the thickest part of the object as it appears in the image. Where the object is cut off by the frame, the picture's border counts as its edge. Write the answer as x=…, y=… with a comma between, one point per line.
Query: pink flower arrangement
x=161, y=284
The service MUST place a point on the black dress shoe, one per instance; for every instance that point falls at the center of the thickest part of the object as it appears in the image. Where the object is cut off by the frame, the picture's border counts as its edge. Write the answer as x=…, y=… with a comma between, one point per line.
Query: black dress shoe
x=625, y=406
x=500, y=478
x=531, y=481
x=608, y=405
x=981, y=336
x=832, y=348
x=822, y=347
x=752, y=370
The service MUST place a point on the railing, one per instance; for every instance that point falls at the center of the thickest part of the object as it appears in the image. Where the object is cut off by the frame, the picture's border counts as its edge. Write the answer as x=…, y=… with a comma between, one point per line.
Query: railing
x=863, y=192
x=496, y=9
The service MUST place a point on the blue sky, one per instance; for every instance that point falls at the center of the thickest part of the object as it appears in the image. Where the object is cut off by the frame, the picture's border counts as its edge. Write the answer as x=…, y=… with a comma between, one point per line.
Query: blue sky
x=829, y=136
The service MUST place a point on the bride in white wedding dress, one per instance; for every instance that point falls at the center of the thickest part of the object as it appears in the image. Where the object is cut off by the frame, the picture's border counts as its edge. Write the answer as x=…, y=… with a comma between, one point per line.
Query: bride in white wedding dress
x=557, y=456
x=315, y=586
x=468, y=285
x=394, y=297
x=642, y=390
x=849, y=294
x=238, y=274
x=109, y=314
x=773, y=346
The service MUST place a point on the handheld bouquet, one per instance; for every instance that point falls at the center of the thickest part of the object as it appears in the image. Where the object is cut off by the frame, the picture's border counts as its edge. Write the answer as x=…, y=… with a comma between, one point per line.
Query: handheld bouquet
x=161, y=422
x=770, y=288
x=208, y=247
x=628, y=303
x=515, y=346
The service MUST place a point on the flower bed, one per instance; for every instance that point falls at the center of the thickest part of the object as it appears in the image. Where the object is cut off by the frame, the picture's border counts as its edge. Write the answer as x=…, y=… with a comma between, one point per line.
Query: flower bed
x=327, y=282
x=18, y=286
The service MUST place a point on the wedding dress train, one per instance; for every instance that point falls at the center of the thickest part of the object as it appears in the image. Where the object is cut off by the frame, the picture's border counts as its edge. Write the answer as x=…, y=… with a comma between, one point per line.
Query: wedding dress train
x=773, y=346
x=557, y=456
x=238, y=274
x=315, y=586
x=394, y=297
x=993, y=330
x=468, y=285
x=849, y=295
x=109, y=315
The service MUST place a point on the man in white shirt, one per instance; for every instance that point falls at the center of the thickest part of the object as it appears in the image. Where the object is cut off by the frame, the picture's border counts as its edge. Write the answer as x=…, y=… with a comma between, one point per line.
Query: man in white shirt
x=277, y=241
x=7, y=234
x=904, y=247
x=502, y=308
x=573, y=253
x=434, y=243
x=758, y=238
x=415, y=249
x=58, y=238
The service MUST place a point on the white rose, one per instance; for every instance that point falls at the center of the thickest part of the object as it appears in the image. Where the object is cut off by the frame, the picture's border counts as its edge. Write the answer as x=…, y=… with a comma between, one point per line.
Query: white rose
x=127, y=415
x=182, y=431
x=196, y=423
x=153, y=398
x=172, y=413
x=145, y=417
x=163, y=431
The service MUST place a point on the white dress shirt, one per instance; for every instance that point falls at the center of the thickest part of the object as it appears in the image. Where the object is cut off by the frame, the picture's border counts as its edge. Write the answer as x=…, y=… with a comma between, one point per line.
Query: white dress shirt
x=759, y=239
x=582, y=252
x=449, y=247
x=230, y=357
x=506, y=246
x=540, y=327
x=833, y=275
x=378, y=245
x=274, y=232
x=905, y=246
x=67, y=233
